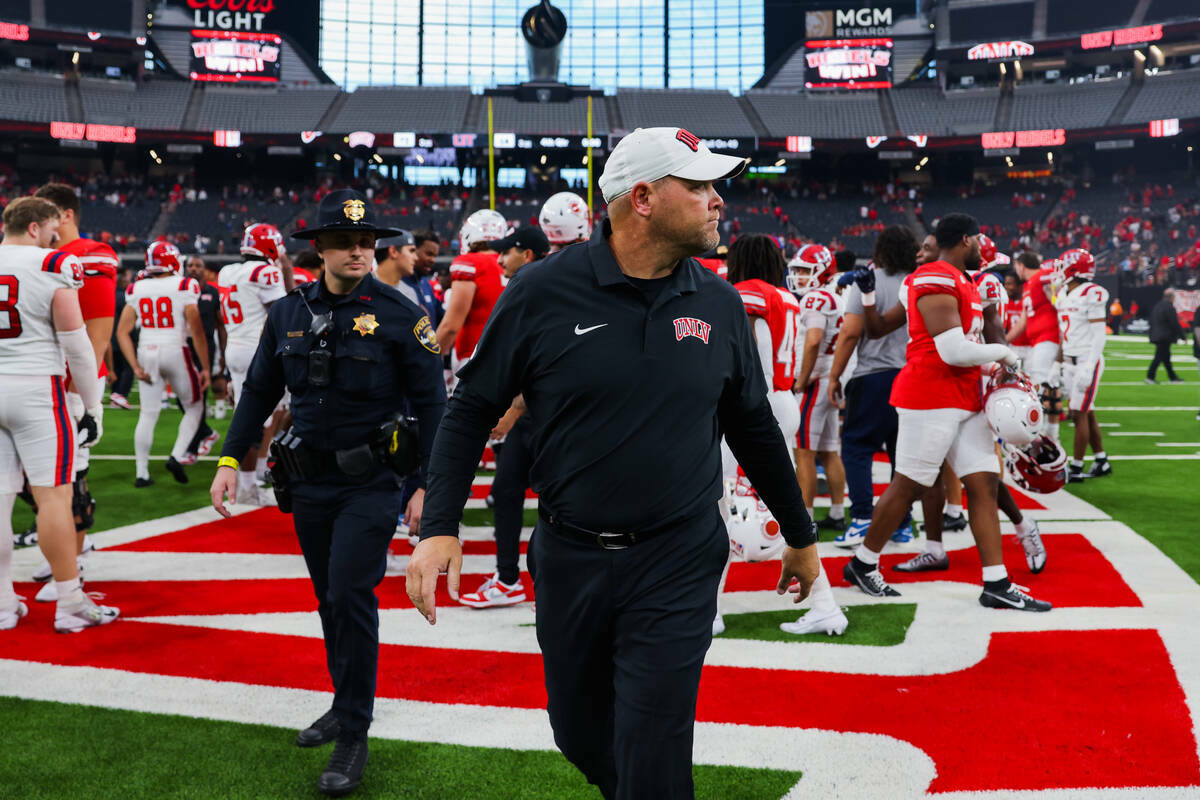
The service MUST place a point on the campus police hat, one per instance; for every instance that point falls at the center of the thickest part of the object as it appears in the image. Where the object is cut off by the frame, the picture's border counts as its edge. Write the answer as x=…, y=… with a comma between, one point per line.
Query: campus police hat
x=345, y=210
x=529, y=237
x=648, y=154
x=401, y=239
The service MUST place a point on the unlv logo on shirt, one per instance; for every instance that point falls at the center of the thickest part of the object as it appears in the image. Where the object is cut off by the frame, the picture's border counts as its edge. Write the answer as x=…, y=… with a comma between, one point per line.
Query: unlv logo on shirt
x=690, y=326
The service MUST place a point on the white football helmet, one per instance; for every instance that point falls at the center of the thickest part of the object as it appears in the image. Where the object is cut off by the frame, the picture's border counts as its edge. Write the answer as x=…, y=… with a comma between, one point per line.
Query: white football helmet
x=565, y=219
x=753, y=532
x=1012, y=406
x=811, y=268
x=484, y=225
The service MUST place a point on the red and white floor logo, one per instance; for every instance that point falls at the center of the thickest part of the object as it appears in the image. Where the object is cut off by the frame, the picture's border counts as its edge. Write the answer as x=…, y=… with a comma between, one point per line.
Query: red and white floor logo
x=1097, y=697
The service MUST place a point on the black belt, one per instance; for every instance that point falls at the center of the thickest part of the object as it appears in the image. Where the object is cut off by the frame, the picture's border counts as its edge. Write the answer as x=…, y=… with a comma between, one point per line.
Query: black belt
x=604, y=539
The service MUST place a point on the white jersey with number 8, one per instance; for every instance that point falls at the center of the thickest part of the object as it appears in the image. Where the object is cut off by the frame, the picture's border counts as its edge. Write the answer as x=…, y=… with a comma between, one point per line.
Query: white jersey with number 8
x=29, y=277
x=159, y=304
x=820, y=308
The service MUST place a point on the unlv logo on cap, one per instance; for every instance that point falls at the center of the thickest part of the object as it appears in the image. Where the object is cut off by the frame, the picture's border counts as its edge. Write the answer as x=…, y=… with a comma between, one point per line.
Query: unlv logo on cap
x=688, y=138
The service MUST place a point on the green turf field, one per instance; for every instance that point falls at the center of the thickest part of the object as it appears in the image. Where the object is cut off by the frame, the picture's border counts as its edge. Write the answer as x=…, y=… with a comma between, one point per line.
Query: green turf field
x=111, y=753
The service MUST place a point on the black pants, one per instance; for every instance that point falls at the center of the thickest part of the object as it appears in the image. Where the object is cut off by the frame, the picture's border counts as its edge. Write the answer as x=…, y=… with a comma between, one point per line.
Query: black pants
x=344, y=533
x=623, y=636
x=1162, y=355
x=871, y=425
x=508, y=491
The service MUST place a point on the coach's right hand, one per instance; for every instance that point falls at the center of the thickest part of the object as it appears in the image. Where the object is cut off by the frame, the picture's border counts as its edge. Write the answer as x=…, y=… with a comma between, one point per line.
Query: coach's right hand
x=224, y=483
x=430, y=558
x=803, y=565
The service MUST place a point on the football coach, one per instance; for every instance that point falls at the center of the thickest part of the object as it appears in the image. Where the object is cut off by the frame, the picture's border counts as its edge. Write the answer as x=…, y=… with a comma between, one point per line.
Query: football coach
x=634, y=361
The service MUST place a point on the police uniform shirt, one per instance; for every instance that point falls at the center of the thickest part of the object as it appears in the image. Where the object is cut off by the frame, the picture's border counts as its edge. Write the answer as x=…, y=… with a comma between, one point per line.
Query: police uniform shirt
x=383, y=350
x=631, y=385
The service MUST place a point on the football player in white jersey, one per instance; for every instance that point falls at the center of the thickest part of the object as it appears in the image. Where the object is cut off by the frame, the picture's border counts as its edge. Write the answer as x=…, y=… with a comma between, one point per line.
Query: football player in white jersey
x=41, y=334
x=1082, y=310
x=810, y=273
x=565, y=220
x=163, y=308
x=247, y=291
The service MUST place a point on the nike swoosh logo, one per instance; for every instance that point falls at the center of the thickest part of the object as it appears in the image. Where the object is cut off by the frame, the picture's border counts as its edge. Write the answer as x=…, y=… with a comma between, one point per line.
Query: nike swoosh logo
x=581, y=331
x=1010, y=602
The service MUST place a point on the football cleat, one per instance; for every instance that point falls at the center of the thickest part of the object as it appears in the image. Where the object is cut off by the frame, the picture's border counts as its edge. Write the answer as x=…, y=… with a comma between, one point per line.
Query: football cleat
x=26, y=538
x=1011, y=596
x=43, y=573
x=119, y=401
x=1074, y=474
x=494, y=593
x=176, y=470
x=832, y=623
x=867, y=578
x=925, y=562
x=854, y=534
x=10, y=616
x=956, y=523
x=718, y=625
x=88, y=544
x=903, y=534
x=142, y=483
x=1035, y=549
x=189, y=459
x=85, y=615
x=1100, y=468
x=831, y=524
x=206, y=444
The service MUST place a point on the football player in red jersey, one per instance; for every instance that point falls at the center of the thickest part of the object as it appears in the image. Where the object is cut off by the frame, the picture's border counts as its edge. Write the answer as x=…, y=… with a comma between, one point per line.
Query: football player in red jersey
x=475, y=284
x=1013, y=286
x=97, y=301
x=1039, y=324
x=937, y=396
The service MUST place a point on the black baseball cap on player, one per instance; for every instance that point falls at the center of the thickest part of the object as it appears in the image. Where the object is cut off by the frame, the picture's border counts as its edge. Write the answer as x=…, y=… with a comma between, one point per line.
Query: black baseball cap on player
x=345, y=210
x=952, y=228
x=529, y=237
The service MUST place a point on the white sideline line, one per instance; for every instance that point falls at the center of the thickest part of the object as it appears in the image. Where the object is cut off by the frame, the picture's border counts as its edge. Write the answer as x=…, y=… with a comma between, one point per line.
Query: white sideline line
x=1177, y=444
x=1137, y=433
x=1143, y=383
x=1109, y=424
x=1162, y=457
x=153, y=456
x=1145, y=408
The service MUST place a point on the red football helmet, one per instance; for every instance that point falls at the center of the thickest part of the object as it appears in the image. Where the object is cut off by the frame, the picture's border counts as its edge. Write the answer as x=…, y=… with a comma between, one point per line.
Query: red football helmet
x=163, y=257
x=987, y=251
x=811, y=268
x=1040, y=466
x=263, y=240
x=1077, y=263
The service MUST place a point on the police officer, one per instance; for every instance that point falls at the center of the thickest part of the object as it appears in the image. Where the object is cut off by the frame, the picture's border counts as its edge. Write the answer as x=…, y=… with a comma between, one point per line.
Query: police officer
x=633, y=361
x=352, y=351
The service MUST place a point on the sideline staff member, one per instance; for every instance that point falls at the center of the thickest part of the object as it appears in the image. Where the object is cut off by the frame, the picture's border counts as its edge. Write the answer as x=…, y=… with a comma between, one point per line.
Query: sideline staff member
x=633, y=361
x=351, y=350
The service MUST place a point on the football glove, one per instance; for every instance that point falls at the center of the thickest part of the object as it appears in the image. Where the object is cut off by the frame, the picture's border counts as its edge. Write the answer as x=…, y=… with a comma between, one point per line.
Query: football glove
x=863, y=277
x=91, y=427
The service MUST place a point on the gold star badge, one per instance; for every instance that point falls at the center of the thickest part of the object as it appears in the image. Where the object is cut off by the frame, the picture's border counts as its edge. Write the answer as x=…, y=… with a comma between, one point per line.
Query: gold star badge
x=354, y=210
x=365, y=324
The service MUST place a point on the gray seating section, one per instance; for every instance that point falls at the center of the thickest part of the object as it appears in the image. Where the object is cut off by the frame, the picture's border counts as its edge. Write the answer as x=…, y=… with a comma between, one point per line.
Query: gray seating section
x=154, y=105
x=1168, y=95
x=264, y=110
x=1079, y=105
x=547, y=118
x=927, y=110
x=423, y=110
x=704, y=113
x=823, y=116
x=32, y=97
x=134, y=218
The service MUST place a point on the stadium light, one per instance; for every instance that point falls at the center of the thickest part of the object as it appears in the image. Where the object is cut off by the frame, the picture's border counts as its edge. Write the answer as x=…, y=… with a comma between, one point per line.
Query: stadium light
x=543, y=159
x=585, y=160
x=924, y=161
x=337, y=156
x=781, y=162
x=377, y=158
x=1050, y=156
x=75, y=58
x=1157, y=54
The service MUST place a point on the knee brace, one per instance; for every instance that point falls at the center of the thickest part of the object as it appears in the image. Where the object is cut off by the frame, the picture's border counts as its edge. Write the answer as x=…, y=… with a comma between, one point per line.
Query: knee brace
x=83, y=505
x=1051, y=397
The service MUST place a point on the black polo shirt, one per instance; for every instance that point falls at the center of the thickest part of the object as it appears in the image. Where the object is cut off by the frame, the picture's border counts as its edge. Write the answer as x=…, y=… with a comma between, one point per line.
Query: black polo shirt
x=630, y=387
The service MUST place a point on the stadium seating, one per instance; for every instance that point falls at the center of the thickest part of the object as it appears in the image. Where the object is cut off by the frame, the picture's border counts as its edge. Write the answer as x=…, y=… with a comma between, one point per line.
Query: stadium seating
x=155, y=104
x=1167, y=95
x=547, y=118
x=704, y=113
x=32, y=97
x=427, y=110
x=133, y=219
x=262, y=110
x=818, y=115
x=927, y=111
x=1080, y=105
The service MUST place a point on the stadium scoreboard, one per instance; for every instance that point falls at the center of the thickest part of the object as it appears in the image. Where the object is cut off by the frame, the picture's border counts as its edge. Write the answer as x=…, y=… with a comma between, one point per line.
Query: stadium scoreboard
x=848, y=63
x=234, y=56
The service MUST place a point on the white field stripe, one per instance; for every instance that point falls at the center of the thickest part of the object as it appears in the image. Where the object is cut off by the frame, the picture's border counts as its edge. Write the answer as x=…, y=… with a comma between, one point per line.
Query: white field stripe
x=1137, y=433
x=1109, y=424
x=1145, y=408
x=1177, y=444
x=1143, y=383
x=111, y=457
x=1122, y=369
x=1157, y=457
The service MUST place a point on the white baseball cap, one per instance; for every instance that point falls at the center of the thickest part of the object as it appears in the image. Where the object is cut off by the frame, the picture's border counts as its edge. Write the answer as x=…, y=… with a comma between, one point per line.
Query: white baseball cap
x=648, y=154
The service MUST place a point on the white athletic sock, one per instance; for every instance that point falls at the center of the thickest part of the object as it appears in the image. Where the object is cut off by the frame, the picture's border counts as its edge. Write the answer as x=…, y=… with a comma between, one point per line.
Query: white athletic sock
x=953, y=510
x=937, y=548
x=838, y=511
x=867, y=555
x=6, y=550
x=1100, y=456
x=822, y=593
x=1054, y=431
x=993, y=574
x=1076, y=463
x=1024, y=527
x=810, y=511
x=260, y=468
x=193, y=416
x=246, y=485
x=70, y=593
